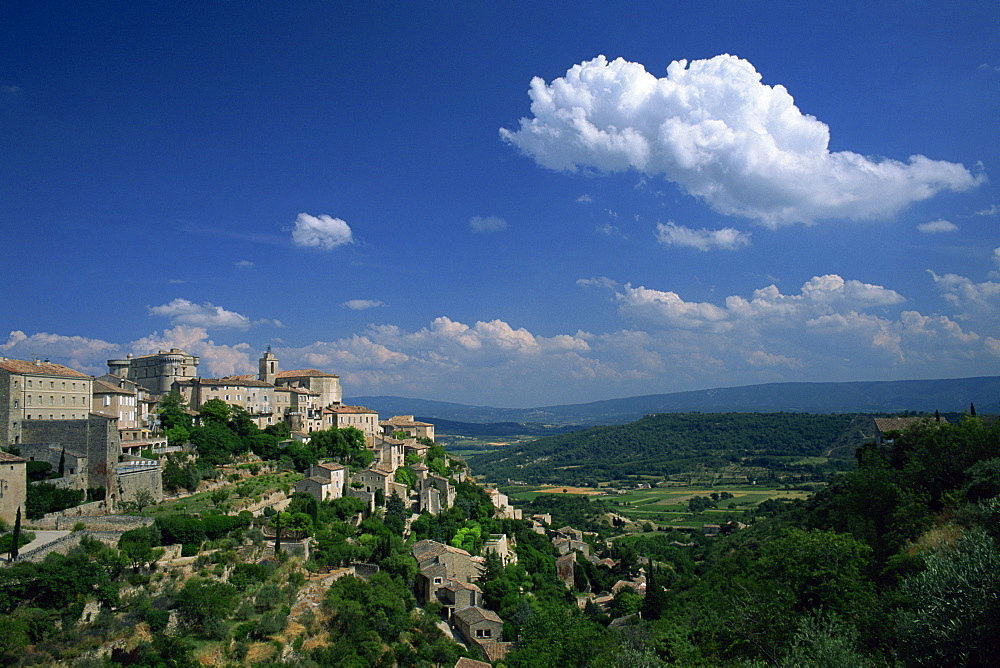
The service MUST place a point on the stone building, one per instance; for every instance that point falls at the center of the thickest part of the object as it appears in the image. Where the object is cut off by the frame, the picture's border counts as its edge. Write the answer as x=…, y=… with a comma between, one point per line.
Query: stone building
x=362, y=418
x=94, y=457
x=122, y=402
x=265, y=403
x=324, y=481
x=156, y=372
x=37, y=391
x=406, y=423
x=438, y=564
x=13, y=486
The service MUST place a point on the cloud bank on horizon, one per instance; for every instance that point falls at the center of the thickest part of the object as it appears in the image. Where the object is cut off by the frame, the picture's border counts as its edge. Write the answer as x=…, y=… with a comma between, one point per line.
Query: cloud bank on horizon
x=830, y=323
x=714, y=129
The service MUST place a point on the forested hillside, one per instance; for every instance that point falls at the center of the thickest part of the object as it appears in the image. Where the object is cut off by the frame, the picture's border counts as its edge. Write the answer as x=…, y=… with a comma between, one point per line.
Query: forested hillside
x=669, y=443
x=946, y=395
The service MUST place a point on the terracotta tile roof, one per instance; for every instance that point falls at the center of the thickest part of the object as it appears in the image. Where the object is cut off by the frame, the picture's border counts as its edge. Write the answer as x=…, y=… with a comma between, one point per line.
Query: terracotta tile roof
x=884, y=424
x=474, y=614
x=348, y=409
x=466, y=662
x=8, y=458
x=495, y=650
x=331, y=466
x=100, y=387
x=319, y=479
x=43, y=368
x=303, y=373
x=404, y=421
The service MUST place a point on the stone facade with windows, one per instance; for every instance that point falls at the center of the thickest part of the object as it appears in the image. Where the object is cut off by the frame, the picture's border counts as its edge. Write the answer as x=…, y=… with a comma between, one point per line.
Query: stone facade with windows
x=39, y=390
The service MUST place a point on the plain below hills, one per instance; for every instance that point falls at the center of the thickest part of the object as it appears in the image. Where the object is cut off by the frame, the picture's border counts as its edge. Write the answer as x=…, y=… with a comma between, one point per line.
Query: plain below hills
x=945, y=395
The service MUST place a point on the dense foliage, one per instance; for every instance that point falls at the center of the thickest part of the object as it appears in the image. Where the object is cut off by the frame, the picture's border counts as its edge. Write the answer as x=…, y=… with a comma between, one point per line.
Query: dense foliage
x=670, y=443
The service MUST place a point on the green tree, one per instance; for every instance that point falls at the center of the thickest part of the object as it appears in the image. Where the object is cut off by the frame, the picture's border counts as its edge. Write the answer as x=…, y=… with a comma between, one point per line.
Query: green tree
x=16, y=542
x=201, y=602
x=953, y=612
x=173, y=412
x=215, y=411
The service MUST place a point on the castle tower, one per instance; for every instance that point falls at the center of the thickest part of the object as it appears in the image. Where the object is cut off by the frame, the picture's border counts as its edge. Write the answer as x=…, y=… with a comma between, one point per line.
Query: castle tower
x=268, y=367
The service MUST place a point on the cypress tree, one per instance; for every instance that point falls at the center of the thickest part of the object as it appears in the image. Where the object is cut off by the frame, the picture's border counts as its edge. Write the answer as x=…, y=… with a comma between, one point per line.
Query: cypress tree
x=17, y=535
x=972, y=409
x=62, y=463
x=277, y=534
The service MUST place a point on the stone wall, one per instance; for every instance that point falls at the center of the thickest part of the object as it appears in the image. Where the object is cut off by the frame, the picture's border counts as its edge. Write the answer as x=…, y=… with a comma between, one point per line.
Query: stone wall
x=118, y=523
x=133, y=482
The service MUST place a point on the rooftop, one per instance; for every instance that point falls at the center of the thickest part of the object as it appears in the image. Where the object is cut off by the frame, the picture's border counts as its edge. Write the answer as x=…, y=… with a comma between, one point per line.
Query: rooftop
x=38, y=367
x=306, y=373
x=8, y=458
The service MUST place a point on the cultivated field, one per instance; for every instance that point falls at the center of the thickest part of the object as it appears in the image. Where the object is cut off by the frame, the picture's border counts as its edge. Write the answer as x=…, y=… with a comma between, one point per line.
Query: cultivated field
x=668, y=506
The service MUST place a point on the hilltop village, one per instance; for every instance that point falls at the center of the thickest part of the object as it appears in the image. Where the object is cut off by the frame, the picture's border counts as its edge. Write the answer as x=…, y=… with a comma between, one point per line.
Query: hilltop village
x=150, y=517
x=111, y=438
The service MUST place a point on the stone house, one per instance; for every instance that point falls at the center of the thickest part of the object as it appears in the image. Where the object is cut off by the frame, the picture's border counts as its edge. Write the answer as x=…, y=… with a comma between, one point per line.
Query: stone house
x=438, y=564
x=885, y=427
x=324, y=481
x=362, y=418
x=13, y=486
x=406, y=423
x=455, y=595
x=38, y=391
x=502, y=547
x=478, y=624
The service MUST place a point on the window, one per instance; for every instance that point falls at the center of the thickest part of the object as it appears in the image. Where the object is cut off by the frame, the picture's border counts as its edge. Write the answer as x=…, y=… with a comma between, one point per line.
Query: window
x=484, y=633
x=437, y=581
x=15, y=406
x=27, y=399
x=29, y=383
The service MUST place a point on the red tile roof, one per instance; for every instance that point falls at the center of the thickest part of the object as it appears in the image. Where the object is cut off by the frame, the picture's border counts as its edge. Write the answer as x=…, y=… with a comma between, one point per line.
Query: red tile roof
x=302, y=373
x=43, y=368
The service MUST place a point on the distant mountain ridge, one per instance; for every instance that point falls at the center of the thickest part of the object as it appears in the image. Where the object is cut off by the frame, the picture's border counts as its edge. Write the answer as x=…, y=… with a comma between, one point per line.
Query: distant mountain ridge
x=946, y=395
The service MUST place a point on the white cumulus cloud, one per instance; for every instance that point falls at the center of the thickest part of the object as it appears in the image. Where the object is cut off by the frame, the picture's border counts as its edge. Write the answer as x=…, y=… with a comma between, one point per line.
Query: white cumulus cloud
x=488, y=224
x=937, y=226
x=713, y=128
x=323, y=231
x=185, y=312
x=703, y=239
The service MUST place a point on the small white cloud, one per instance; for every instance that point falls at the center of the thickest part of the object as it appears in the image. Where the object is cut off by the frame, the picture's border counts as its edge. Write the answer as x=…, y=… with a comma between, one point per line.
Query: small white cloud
x=207, y=315
x=703, y=239
x=989, y=68
x=321, y=231
x=487, y=224
x=12, y=91
x=176, y=281
x=714, y=129
x=990, y=211
x=937, y=226
x=598, y=282
x=584, y=199
x=244, y=264
x=362, y=304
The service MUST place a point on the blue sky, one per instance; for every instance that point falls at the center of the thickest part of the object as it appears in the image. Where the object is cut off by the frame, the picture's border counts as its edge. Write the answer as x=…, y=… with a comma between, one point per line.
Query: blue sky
x=508, y=204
